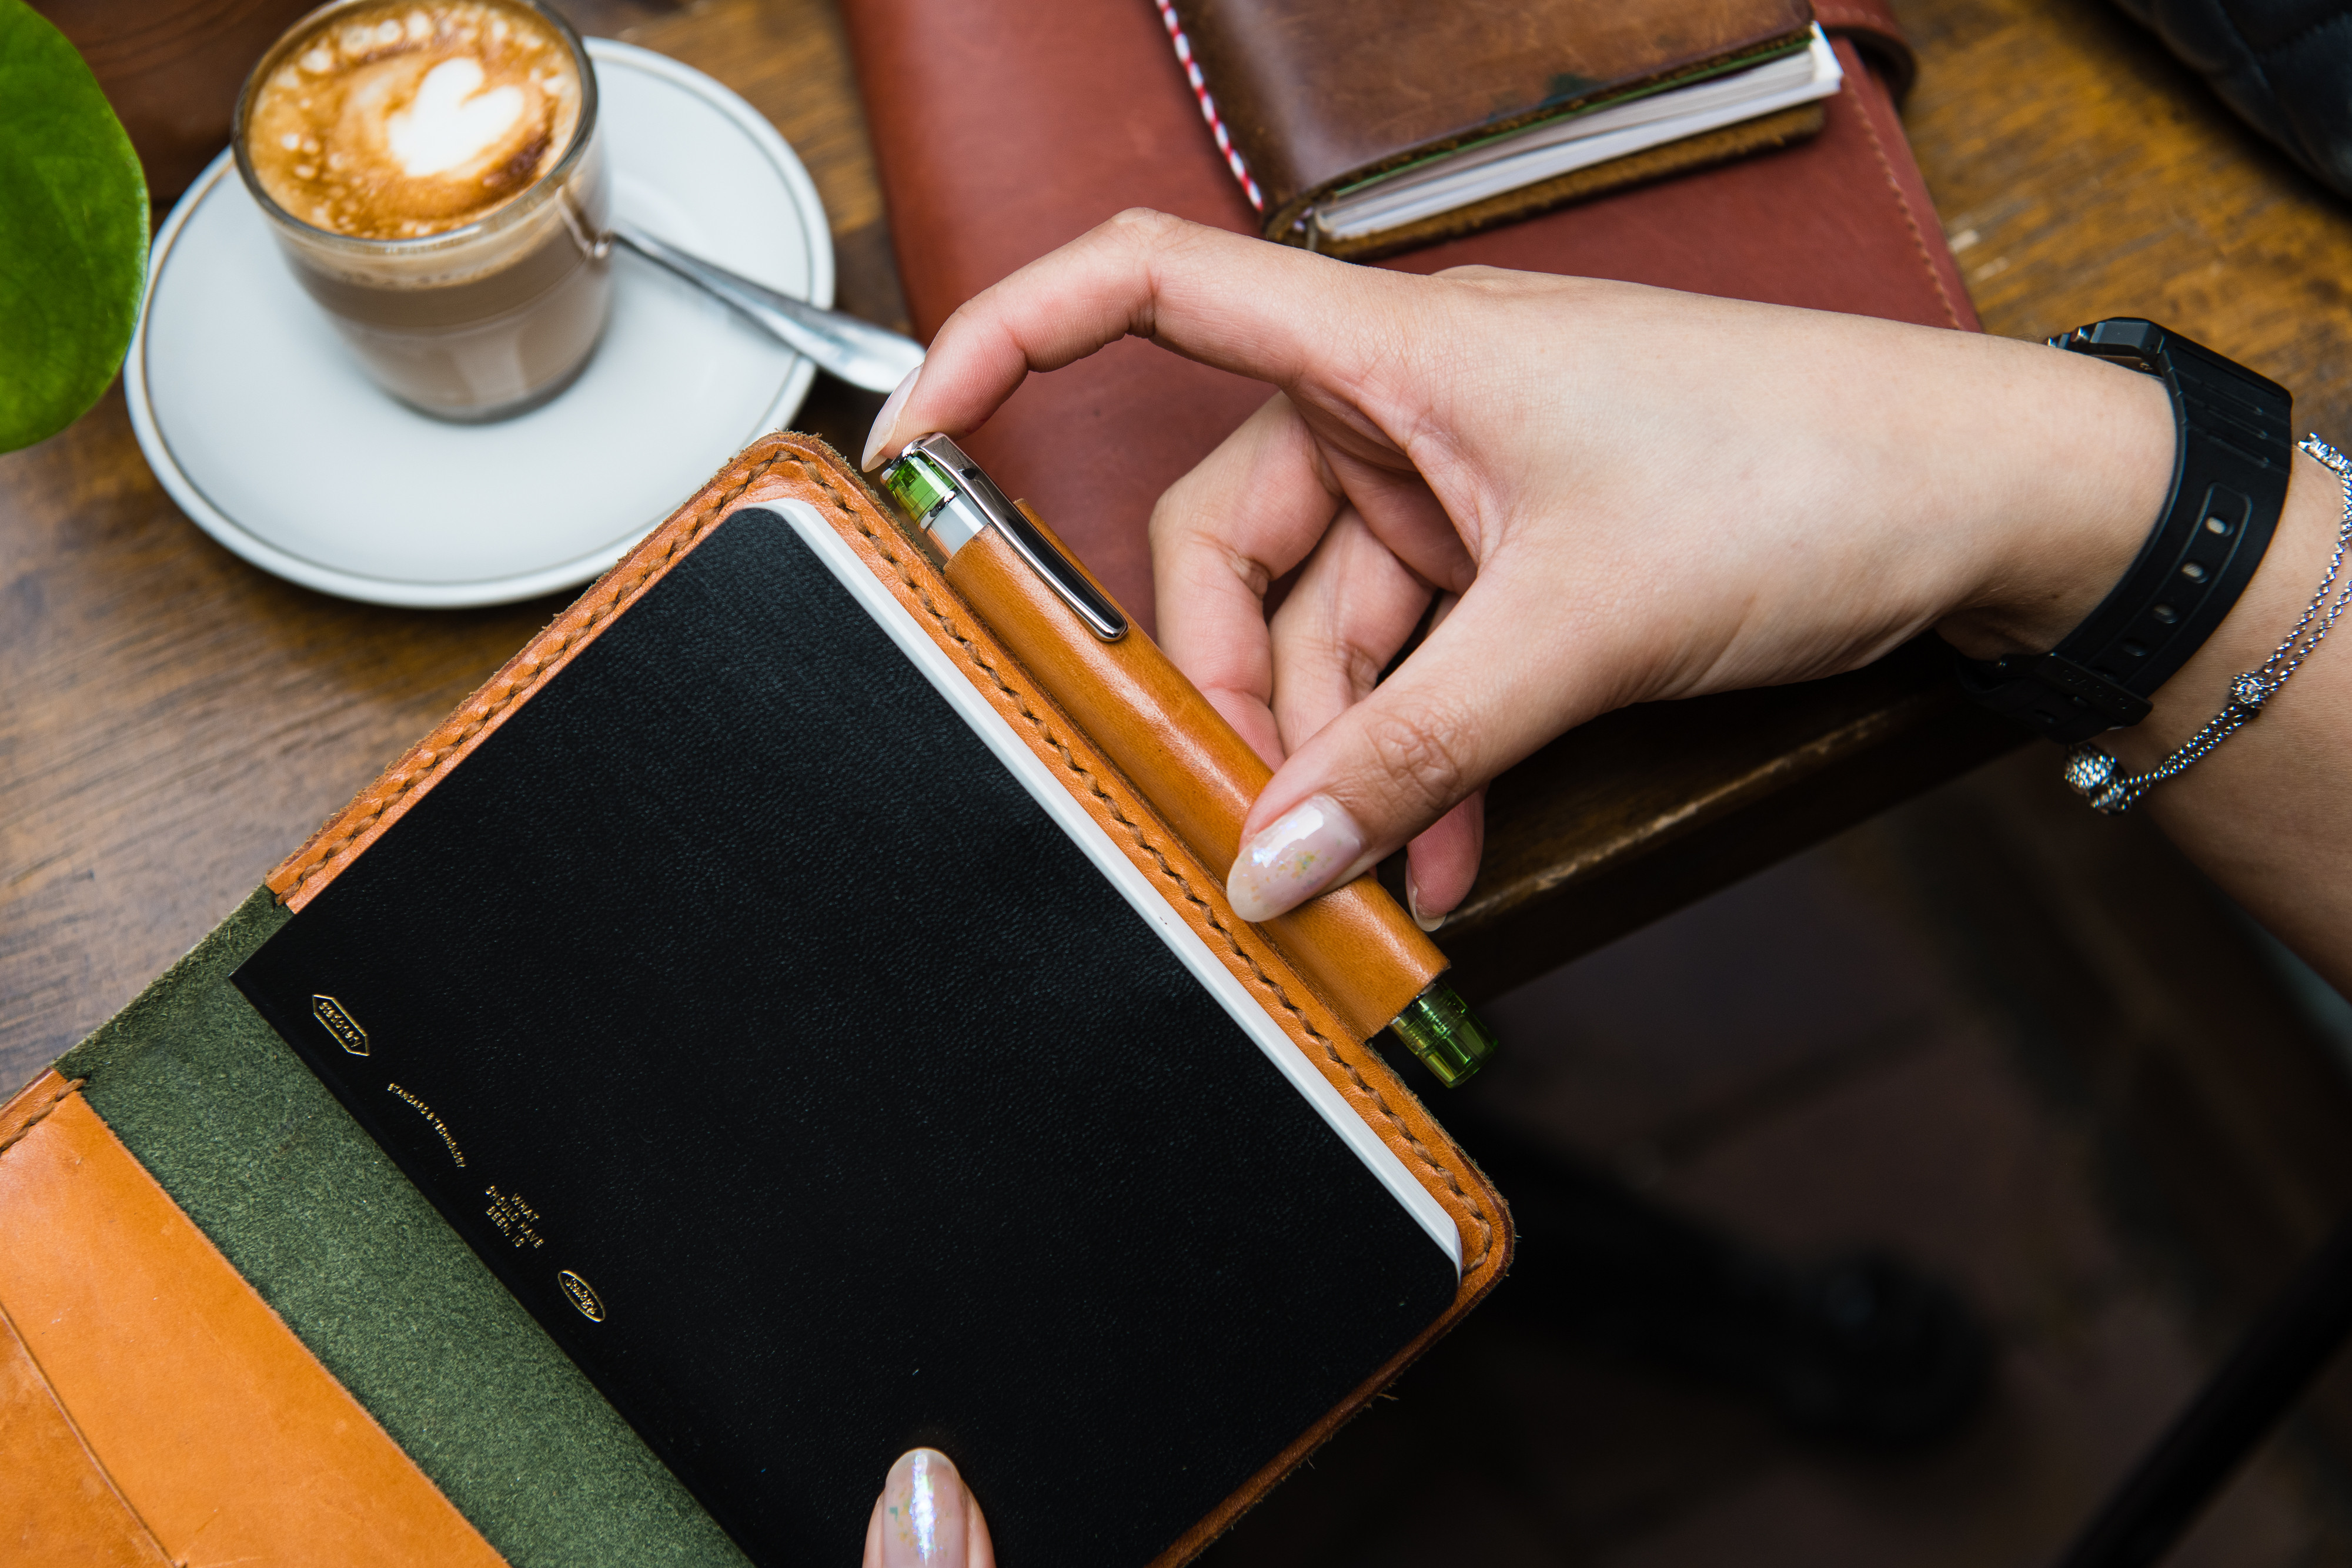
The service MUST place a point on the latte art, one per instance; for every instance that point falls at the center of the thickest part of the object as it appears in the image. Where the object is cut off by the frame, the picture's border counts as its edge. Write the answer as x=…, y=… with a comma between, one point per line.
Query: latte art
x=434, y=176
x=451, y=121
x=405, y=120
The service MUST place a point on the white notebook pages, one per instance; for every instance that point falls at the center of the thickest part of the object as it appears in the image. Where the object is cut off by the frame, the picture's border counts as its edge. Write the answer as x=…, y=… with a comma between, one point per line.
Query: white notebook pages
x=1555, y=147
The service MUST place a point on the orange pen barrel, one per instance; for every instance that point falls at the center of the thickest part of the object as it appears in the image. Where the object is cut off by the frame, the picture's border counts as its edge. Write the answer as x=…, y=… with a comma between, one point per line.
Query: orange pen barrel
x=1354, y=944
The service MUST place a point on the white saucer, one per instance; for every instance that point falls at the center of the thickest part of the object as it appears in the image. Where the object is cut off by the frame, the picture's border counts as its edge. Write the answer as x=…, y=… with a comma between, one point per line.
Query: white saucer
x=261, y=427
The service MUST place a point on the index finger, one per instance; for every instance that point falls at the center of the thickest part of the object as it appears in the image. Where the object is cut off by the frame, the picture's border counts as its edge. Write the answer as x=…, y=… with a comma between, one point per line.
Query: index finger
x=1248, y=513
x=1263, y=310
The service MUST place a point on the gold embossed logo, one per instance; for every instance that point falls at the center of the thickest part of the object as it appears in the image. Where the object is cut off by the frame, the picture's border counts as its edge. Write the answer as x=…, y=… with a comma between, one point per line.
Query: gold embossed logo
x=341, y=1024
x=586, y=1300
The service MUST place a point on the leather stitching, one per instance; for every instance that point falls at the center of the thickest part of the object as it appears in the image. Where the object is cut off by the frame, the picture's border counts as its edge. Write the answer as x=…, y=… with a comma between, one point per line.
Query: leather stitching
x=1182, y=883
x=42, y=1115
x=1910, y=219
x=442, y=747
x=441, y=750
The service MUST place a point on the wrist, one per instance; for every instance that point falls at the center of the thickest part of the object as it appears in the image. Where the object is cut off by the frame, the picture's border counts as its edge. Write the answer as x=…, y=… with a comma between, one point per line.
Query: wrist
x=2077, y=493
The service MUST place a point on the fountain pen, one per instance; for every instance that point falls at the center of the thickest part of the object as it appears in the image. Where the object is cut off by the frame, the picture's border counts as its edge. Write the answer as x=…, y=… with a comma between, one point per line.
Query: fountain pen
x=1354, y=944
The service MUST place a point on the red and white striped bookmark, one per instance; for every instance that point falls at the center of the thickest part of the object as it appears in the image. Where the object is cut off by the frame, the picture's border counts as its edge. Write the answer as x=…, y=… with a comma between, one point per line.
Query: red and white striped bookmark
x=1208, y=105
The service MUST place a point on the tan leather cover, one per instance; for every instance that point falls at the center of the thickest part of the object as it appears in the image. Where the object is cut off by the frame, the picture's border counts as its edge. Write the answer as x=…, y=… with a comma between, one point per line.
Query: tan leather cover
x=1359, y=951
x=1318, y=95
x=788, y=467
x=59, y=1508
x=153, y=1408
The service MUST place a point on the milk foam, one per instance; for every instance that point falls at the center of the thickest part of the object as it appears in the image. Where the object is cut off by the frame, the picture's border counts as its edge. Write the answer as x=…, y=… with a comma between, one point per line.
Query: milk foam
x=414, y=117
x=451, y=121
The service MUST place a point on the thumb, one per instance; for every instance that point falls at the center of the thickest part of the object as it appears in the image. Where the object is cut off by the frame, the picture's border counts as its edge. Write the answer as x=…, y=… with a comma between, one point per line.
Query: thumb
x=927, y=1517
x=1478, y=695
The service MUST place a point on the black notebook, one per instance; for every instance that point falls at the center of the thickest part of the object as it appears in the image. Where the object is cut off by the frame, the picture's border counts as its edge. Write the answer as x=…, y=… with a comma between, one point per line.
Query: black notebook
x=776, y=1031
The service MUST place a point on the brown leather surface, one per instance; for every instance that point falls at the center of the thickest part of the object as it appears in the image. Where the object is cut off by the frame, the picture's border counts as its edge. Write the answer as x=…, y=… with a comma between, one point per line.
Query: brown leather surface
x=1355, y=945
x=1317, y=94
x=788, y=467
x=219, y=1432
x=1004, y=127
x=59, y=1508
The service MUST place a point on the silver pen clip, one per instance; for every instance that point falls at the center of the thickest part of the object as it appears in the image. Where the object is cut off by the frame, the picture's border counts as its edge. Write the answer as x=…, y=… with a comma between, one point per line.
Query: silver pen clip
x=953, y=499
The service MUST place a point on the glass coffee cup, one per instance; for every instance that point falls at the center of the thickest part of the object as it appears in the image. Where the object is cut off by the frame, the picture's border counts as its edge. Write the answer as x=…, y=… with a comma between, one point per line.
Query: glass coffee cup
x=434, y=175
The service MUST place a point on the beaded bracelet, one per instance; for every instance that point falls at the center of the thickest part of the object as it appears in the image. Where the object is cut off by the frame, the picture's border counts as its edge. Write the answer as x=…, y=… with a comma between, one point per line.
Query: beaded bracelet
x=2094, y=774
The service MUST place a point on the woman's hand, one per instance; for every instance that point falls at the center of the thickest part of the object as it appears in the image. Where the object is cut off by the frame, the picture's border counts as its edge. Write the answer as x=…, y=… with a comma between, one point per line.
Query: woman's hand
x=1612, y=493
x=926, y=1518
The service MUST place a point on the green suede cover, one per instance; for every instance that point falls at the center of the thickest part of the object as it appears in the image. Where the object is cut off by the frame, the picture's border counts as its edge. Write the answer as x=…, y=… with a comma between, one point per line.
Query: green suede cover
x=386, y=1295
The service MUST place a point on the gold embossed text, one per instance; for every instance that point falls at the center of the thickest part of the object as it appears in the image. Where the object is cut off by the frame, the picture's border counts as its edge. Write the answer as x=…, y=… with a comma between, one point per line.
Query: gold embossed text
x=448, y=1140
x=514, y=1218
x=340, y=1023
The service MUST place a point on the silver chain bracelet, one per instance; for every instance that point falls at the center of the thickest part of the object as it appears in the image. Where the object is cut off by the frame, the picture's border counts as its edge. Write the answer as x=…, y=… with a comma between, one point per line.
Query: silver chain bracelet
x=2093, y=773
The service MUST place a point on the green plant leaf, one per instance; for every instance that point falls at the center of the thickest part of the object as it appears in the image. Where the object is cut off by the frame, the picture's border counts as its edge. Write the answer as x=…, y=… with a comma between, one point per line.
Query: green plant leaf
x=73, y=231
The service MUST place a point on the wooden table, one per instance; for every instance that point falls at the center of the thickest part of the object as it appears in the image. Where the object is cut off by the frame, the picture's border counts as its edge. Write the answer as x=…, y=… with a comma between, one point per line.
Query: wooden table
x=174, y=720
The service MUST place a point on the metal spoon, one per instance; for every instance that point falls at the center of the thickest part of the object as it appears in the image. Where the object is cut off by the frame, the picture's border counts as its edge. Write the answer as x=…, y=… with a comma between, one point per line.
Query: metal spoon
x=857, y=351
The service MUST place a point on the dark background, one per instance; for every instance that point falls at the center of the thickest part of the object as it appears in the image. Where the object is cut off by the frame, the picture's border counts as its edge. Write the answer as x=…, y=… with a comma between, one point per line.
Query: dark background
x=2026, y=1047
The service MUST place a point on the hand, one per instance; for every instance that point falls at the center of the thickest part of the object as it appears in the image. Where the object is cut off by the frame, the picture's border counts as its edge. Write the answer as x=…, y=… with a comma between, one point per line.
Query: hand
x=926, y=1518
x=1618, y=494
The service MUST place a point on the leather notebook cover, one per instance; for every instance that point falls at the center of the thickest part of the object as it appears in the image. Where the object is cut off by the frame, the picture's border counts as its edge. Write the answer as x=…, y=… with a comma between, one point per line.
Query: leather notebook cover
x=1004, y=127
x=129, y=1346
x=1316, y=97
x=834, y=1056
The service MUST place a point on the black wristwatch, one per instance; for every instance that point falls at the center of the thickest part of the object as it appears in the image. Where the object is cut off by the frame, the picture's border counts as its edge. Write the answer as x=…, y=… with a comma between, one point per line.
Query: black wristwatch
x=2229, y=469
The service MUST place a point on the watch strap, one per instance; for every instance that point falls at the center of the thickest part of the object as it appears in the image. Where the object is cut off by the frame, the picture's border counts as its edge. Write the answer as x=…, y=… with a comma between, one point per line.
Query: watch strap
x=2230, y=466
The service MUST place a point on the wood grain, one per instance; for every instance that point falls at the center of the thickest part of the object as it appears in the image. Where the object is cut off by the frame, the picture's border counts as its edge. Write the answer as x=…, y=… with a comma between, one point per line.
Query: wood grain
x=2082, y=172
x=173, y=717
x=176, y=720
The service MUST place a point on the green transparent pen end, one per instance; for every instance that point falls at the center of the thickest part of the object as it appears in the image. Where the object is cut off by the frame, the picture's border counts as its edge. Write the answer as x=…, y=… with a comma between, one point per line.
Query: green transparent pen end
x=918, y=486
x=1444, y=1035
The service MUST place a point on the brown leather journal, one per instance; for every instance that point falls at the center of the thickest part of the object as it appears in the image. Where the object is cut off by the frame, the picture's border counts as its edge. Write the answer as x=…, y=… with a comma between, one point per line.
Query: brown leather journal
x=1317, y=104
x=1004, y=127
x=104, y=1271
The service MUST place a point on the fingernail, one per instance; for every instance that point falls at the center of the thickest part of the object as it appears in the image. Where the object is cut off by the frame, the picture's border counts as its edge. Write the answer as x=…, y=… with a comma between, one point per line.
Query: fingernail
x=1292, y=859
x=1413, y=904
x=923, y=1521
x=887, y=422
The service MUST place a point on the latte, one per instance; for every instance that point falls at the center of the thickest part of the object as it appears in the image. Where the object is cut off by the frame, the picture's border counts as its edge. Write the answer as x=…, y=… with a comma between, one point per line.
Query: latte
x=402, y=121
x=433, y=174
